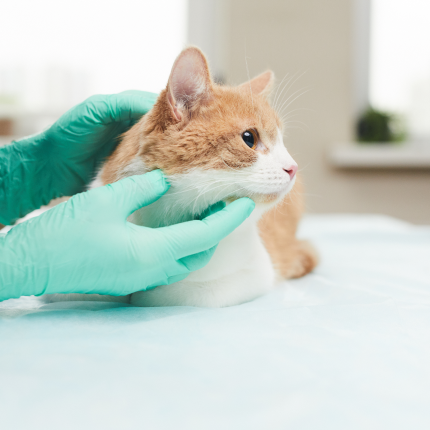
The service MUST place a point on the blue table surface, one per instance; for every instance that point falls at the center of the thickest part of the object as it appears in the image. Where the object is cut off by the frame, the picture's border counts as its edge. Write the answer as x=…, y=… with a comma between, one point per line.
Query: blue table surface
x=346, y=347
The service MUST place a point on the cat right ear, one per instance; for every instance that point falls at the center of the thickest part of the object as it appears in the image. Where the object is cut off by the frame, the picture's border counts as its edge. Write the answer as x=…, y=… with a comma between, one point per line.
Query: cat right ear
x=261, y=84
x=190, y=84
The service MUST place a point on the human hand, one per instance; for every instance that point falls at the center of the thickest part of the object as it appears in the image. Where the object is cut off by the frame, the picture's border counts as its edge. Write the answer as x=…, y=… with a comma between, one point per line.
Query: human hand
x=62, y=160
x=86, y=245
x=85, y=135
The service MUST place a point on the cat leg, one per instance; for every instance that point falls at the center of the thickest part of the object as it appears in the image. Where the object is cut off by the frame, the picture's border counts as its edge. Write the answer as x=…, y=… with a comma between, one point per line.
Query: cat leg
x=296, y=260
x=292, y=258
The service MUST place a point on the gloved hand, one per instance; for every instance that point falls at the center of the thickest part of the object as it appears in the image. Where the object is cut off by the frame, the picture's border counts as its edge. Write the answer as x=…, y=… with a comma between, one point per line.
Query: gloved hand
x=86, y=245
x=62, y=160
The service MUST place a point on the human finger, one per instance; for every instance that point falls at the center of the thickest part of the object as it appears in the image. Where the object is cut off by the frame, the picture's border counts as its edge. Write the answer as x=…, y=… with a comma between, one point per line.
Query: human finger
x=128, y=105
x=192, y=237
x=135, y=192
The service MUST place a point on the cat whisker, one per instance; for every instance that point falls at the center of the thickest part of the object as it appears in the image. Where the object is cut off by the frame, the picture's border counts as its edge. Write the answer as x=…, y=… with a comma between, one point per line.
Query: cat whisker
x=202, y=194
x=177, y=182
x=216, y=197
x=277, y=93
x=304, y=167
x=290, y=85
x=295, y=128
x=285, y=87
x=187, y=189
x=283, y=106
x=249, y=78
x=296, y=121
x=277, y=208
x=288, y=114
x=199, y=186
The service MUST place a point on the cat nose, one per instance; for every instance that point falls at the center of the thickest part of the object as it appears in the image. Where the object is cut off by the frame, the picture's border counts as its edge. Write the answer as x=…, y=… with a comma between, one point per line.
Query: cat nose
x=291, y=170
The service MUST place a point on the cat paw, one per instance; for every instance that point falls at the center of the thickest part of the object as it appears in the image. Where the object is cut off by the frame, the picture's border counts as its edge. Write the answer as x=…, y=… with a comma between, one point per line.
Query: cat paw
x=302, y=259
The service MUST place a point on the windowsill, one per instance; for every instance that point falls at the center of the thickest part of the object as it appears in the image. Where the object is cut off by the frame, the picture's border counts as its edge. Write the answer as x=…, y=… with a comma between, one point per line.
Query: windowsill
x=380, y=156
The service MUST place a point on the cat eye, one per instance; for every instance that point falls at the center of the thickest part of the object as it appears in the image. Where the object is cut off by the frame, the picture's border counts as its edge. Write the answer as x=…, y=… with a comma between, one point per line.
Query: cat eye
x=250, y=138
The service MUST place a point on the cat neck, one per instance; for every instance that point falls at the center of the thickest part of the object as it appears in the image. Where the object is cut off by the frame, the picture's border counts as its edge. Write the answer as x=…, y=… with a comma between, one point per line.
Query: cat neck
x=187, y=199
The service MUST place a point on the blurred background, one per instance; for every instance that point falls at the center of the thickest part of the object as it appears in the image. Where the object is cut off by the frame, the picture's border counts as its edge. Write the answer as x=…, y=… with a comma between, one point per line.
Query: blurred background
x=353, y=79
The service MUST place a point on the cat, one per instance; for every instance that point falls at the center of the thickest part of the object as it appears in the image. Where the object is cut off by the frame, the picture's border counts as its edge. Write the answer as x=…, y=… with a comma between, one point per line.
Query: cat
x=216, y=143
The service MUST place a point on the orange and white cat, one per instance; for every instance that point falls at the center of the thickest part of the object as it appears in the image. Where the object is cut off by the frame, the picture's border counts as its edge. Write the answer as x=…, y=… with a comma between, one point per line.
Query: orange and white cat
x=217, y=143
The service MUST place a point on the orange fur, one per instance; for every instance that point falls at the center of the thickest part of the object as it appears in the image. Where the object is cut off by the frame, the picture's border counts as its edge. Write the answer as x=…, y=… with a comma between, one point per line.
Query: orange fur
x=204, y=131
x=212, y=139
x=291, y=257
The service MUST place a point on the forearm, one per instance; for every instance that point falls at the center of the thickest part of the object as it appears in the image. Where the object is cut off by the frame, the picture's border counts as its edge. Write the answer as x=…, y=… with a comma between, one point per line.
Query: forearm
x=25, y=178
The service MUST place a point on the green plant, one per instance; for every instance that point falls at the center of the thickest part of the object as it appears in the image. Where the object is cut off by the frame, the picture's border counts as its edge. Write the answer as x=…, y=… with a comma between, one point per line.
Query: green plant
x=378, y=126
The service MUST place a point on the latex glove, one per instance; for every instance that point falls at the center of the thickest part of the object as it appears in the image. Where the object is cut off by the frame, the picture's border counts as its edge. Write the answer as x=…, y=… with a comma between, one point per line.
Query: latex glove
x=86, y=245
x=62, y=160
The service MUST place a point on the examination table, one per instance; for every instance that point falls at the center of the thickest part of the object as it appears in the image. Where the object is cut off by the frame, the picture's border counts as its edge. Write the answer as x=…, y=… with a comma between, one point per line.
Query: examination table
x=346, y=347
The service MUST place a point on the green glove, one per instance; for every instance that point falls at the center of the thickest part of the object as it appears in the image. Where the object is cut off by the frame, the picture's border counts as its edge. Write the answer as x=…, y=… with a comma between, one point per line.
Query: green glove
x=62, y=160
x=86, y=245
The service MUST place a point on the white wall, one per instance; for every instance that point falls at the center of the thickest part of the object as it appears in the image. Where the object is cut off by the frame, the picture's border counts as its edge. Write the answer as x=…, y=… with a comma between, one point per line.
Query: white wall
x=53, y=54
x=314, y=39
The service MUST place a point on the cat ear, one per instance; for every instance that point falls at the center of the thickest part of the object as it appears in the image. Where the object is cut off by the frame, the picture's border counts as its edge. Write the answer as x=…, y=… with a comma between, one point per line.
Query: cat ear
x=190, y=84
x=261, y=84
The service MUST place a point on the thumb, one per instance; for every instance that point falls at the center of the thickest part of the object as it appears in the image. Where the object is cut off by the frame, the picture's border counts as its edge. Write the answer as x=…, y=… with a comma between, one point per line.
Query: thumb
x=134, y=192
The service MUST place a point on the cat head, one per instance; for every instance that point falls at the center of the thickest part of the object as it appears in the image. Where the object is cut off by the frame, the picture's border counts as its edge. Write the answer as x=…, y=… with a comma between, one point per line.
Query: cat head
x=220, y=142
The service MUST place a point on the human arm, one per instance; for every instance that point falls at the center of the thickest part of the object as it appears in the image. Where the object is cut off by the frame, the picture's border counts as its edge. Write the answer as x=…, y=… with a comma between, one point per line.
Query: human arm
x=86, y=245
x=62, y=160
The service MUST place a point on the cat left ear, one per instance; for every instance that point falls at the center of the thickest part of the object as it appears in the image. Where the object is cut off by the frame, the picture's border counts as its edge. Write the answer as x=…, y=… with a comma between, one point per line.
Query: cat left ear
x=261, y=84
x=190, y=84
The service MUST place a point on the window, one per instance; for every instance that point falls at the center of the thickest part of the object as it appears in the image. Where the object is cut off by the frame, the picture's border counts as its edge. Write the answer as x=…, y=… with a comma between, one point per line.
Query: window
x=54, y=54
x=400, y=62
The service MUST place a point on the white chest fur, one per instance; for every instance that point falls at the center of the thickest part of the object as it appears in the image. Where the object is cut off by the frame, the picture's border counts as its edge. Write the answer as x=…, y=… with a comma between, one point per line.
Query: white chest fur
x=239, y=271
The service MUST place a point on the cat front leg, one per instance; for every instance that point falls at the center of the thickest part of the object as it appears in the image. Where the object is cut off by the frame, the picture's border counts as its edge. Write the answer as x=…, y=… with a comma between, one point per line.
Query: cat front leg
x=292, y=258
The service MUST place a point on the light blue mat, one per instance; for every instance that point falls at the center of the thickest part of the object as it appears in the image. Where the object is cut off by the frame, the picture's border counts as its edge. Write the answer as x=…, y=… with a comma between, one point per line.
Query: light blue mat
x=347, y=347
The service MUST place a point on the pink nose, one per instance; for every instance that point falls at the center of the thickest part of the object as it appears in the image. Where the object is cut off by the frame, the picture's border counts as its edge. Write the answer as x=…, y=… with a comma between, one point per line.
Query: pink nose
x=291, y=170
